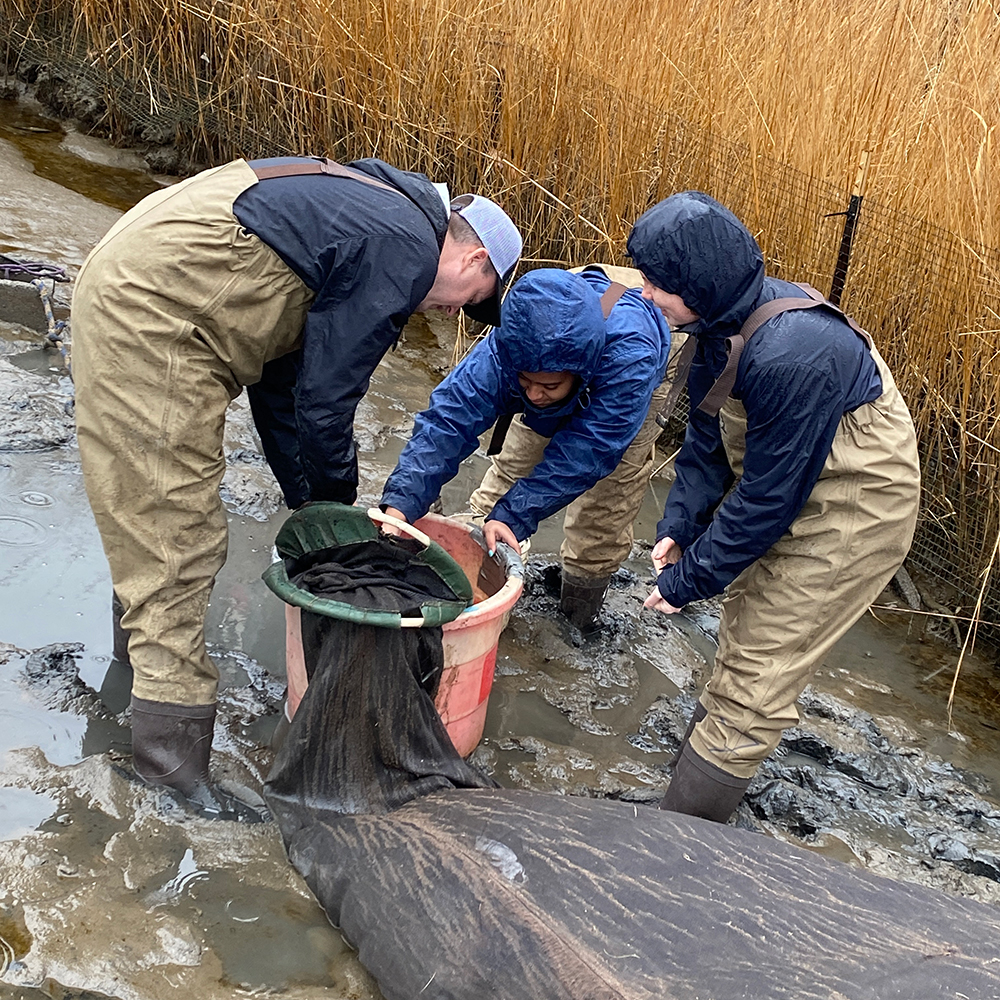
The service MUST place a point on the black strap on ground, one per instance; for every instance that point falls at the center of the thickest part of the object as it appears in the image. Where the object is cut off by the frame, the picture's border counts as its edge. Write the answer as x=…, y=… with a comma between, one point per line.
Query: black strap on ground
x=320, y=165
x=12, y=269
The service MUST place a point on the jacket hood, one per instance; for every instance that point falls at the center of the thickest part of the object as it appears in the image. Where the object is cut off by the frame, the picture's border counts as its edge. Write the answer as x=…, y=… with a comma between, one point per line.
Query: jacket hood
x=417, y=187
x=551, y=321
x=691, y=246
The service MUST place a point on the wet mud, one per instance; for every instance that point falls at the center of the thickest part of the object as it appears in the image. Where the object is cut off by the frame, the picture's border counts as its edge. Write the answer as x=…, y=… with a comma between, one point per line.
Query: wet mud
x=109, y=889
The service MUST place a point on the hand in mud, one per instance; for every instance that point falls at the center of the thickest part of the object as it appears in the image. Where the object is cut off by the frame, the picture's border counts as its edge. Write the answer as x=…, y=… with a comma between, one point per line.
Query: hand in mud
x=666, y=552
x=391, y=529
x=658, y=603
x=497, y=531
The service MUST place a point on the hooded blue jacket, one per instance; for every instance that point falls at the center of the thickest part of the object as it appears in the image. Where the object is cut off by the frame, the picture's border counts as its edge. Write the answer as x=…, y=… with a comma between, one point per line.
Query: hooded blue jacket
x=370, y=257
x=798, y=375
x=552, y=322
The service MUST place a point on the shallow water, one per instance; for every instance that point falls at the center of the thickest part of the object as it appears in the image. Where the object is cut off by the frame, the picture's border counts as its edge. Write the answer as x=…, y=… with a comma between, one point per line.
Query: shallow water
x=108, y=887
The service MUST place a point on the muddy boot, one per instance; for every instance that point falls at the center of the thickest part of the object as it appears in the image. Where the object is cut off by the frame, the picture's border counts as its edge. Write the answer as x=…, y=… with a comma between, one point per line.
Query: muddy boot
x=171, y=745
x=699, y=788
x=581, y=600
x=120, y=634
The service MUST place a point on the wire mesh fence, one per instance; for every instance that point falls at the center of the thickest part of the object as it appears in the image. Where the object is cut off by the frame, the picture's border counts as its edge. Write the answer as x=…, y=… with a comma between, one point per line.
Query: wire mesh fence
x=930, y=299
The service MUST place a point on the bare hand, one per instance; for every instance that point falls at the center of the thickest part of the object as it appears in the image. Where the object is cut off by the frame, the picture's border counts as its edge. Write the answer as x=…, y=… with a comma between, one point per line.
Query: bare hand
x=657, y=602
x=497, y=531
x=391, y=529
x=666, y=552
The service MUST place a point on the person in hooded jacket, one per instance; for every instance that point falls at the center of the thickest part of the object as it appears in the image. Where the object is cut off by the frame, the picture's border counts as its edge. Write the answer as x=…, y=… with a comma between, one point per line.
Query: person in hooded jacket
x=797, y=501
x=585, y=392
x=292, y=276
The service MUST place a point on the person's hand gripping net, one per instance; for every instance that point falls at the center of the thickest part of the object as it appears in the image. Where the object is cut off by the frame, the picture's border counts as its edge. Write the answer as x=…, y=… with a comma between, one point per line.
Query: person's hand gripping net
x=665, y=552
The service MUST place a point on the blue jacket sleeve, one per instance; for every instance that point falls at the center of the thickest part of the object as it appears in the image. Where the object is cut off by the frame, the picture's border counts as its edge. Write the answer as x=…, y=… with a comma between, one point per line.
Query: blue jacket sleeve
x=792, y=415
x=702, y=470
x=461, y=408
x=587, y=449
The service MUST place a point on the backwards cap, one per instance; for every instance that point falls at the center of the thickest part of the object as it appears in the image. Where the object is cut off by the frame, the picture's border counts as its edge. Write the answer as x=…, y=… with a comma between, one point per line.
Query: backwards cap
x=502, y=242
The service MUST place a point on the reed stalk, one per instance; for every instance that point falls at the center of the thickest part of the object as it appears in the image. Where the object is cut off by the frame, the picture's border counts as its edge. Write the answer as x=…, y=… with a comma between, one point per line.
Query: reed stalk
x=578, y=116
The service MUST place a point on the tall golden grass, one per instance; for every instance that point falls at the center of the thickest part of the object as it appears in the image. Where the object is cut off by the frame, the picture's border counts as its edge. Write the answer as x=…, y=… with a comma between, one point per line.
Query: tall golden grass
x=578, y=116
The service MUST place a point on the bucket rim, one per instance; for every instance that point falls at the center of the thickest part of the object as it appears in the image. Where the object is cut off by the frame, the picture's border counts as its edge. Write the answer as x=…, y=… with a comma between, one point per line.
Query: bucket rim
x=326, y=524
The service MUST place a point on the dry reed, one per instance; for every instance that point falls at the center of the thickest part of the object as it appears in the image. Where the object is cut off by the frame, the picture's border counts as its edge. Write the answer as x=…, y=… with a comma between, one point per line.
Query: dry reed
x=577, y=116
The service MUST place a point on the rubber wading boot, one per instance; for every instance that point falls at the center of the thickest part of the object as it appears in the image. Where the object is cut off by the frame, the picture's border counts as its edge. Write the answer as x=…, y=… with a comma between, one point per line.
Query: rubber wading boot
x=171, y=745
x=120, y=634
x=581, y=600
x=699, y=788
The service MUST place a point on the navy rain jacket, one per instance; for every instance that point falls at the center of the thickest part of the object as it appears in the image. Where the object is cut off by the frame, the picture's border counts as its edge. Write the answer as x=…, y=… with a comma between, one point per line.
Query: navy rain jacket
x=552, y=322
x=798, y=375
x=370, y=256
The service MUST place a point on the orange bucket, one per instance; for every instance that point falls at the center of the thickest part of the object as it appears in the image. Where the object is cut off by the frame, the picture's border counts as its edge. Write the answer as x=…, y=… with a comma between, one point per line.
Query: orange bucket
x=469, y=643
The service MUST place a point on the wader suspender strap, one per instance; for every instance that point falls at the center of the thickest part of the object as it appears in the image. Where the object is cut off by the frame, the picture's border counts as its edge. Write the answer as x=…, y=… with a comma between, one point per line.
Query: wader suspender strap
x=611, y=295
x=723, y=387
x=320, y=165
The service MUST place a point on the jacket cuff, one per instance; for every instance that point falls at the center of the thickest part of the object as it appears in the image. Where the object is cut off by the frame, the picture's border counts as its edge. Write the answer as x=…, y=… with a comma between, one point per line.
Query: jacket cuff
x=521, y=529
x=683, y=532
x=665, y=585
x=409, y=511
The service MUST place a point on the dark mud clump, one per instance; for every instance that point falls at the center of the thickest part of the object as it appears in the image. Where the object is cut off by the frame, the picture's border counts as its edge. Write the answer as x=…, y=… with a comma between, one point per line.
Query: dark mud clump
x=853, y=788
x=35, y=415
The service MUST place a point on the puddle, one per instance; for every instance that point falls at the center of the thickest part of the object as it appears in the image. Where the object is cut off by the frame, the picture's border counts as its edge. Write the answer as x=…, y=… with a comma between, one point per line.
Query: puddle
x=22, y=811
x=73, y=160
x=264, y=939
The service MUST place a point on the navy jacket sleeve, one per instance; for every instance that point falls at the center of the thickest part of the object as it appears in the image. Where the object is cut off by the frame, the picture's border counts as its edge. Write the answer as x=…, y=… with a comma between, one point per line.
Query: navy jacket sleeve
x=702, y=469
x=272, y=403
x=354, y=319
x=461, y=408
x=588, y=448
x=793, y=410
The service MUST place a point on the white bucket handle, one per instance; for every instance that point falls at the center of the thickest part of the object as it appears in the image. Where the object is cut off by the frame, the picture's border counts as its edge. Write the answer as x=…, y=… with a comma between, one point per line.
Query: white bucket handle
x=376, y=515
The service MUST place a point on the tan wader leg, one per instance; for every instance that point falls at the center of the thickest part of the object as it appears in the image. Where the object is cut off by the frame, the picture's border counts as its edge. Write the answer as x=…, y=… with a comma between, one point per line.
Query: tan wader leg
x=599, y=523
x=782, y=615
x=522, y=451
x=176, y=308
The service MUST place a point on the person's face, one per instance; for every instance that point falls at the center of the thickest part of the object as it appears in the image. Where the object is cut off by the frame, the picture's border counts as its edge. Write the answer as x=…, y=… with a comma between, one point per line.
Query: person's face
x=542, y=389
x=464, y=276
x=672, y=306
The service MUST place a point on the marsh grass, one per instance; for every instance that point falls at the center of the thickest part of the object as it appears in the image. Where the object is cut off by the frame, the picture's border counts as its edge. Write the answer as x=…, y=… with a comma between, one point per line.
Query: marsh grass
x=578, y=116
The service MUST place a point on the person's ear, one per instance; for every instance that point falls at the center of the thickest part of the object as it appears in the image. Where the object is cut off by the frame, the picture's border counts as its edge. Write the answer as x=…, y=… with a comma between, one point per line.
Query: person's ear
x=478, y=257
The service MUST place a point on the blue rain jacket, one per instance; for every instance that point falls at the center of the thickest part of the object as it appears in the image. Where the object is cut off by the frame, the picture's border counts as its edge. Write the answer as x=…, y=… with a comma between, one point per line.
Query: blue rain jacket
x=551, y=322
x=798, y=375
x=370, y=257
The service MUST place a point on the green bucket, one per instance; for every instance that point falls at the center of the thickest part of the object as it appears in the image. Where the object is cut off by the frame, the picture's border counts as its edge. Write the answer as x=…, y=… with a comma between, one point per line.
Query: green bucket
x=326, y=525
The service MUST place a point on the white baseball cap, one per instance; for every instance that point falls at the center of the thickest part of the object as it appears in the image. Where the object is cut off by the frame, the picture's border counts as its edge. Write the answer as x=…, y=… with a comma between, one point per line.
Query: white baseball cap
x=502, y=242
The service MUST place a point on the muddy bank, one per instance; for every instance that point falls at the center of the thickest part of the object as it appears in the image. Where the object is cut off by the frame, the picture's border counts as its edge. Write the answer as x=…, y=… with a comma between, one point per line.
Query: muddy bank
x=859, y=787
